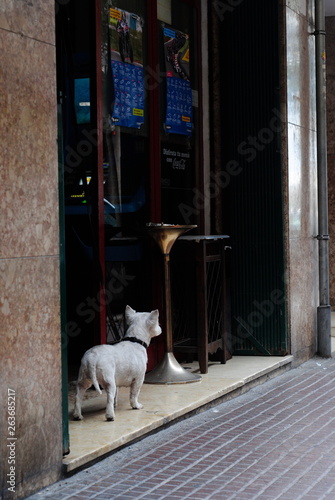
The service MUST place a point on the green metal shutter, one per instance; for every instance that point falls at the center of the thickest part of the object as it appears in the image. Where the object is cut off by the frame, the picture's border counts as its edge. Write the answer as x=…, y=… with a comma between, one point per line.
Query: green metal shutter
x=253, y=211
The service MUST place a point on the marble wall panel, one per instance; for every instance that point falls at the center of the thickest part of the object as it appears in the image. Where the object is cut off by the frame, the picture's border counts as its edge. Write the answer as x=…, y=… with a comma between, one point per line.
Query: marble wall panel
x=301, y=209
x=303, y=299
x=302, y=182
x=304, y=8
x=298, y=6
x=28, y=149
x=301, y=89
x=31, y=366
x=29, y=250
x=34, y=19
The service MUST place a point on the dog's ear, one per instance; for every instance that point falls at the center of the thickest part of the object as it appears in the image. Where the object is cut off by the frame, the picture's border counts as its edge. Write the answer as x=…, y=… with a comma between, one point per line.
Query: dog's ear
x=129, y=312
x=154, y=315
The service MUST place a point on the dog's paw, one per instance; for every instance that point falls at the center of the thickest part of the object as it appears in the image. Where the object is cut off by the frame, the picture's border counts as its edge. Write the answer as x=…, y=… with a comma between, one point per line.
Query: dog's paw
x=137, y=406
x=109, y=418
x=78, y=417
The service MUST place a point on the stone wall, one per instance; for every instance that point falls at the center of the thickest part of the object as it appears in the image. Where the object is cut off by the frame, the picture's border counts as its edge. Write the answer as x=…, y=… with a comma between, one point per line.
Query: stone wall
x=30, y=364
x=330, y=46
x=301, y=203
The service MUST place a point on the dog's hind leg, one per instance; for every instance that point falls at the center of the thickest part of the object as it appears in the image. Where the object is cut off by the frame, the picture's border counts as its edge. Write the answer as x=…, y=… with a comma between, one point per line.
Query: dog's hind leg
x=82, y=386
x=135, y=388
x=111, y=397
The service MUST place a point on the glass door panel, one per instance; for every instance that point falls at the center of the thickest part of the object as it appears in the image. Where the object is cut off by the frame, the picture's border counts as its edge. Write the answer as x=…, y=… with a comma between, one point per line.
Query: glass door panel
x=126, y=156
x=179, y=134
x=125, y=115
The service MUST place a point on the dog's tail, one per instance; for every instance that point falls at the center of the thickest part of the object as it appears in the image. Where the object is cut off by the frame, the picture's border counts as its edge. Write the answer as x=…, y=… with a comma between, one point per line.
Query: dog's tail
x=94, y=380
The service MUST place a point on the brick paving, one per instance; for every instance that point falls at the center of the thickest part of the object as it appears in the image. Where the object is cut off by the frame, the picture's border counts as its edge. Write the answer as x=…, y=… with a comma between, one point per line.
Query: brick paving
x=276, y=441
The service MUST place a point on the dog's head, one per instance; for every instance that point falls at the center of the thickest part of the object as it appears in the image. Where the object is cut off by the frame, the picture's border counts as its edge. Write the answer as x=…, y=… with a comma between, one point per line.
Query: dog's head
x=143, y=324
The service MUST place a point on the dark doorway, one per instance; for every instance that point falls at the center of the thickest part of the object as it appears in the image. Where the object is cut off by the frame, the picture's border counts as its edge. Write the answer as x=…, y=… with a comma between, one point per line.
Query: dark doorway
x=246, y=38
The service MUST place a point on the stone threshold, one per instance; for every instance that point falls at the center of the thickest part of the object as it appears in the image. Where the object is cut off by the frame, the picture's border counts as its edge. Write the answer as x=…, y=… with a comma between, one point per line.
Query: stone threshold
x=94, y=437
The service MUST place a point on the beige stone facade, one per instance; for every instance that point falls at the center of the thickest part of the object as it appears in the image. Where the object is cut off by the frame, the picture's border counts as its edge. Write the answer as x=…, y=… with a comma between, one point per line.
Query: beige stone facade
x=301, y=203
x=29, y=250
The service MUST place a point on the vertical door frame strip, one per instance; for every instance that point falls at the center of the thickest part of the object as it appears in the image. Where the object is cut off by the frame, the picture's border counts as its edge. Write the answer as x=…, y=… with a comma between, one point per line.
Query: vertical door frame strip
x=100, y=176
x=154, y=113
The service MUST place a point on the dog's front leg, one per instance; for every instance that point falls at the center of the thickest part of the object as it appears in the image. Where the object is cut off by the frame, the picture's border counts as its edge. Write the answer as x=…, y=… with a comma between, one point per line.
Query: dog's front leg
x=134, y=393
x=111, y=395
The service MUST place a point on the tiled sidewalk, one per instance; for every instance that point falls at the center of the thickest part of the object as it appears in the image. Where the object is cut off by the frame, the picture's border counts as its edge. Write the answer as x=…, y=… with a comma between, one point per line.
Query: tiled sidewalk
x=275, y=442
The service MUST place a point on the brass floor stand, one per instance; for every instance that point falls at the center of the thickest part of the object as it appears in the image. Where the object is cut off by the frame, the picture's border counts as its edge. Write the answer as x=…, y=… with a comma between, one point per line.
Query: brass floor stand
x=168, y=371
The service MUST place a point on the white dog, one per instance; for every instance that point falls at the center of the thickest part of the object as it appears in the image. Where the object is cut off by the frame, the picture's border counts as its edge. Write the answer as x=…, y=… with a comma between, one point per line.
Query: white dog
x=119, y=365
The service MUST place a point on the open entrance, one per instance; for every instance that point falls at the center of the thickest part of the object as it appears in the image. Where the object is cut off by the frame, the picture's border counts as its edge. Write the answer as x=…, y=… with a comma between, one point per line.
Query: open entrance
x=128, y=76
x=131, y=155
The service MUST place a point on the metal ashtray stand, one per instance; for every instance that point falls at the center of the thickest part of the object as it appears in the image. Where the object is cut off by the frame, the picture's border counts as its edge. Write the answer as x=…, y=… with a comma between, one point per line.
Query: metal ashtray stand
x=168, y=371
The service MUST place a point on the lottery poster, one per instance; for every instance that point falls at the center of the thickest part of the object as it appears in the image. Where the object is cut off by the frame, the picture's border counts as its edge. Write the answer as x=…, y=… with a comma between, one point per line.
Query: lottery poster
x=125, y=40
x=178, y=86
